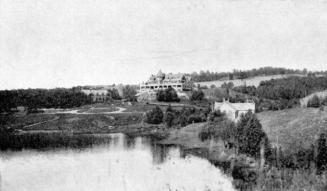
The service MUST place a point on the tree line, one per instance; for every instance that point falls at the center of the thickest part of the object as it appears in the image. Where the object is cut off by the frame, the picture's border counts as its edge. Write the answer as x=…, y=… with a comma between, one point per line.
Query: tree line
x=203, y=76
x=42, y=98
x=173, y=117
x=284, y=93
x=291, y=88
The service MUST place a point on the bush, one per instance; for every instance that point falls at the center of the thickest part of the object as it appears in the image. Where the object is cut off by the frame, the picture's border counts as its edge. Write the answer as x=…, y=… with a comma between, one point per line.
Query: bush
x=314, y=102
x=223, y=128
x=194, y=118
x=197, y=95
x=324, y=101
x=216, y=116
x=155, y=116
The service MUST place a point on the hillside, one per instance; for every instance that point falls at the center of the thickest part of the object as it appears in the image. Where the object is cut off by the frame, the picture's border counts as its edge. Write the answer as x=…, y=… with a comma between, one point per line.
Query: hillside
x=255, y=81
x=294, y=127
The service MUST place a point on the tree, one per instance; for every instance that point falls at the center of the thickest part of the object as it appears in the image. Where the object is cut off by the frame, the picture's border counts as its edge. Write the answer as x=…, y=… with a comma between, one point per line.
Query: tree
x=228, y=85
x=322, y=153
x=154, y=116
x=230, y=76
x=243, y=75
x=249, y=135
x=182, y=120
x=197, y=95
x=114, y=94
x=169, y=116
x=129, y=93
x=168, y=95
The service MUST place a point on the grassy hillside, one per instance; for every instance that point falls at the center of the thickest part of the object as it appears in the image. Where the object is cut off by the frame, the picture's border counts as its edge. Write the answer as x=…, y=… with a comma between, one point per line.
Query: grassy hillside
x=294, y=127
x=255, y=81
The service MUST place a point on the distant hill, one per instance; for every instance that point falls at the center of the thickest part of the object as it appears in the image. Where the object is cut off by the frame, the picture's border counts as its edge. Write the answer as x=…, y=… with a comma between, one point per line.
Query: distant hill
x=254, y=81
x=294, y=127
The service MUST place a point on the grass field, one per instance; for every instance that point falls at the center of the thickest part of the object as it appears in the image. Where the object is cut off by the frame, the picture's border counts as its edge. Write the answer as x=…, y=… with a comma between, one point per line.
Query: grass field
x=294, y=128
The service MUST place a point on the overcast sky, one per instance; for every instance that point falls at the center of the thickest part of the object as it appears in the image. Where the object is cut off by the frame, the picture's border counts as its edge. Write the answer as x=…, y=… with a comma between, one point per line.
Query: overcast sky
x=63, y=43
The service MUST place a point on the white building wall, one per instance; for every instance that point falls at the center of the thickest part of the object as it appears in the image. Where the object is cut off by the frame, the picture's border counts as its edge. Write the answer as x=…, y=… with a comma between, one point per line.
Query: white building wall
x=234, y=111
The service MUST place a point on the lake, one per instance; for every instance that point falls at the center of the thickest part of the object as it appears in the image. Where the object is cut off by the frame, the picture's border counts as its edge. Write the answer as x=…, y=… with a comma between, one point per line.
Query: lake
x=124, y=164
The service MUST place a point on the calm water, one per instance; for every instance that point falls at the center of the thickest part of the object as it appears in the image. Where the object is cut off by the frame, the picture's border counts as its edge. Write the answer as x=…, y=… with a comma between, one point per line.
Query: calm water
x=123, y=165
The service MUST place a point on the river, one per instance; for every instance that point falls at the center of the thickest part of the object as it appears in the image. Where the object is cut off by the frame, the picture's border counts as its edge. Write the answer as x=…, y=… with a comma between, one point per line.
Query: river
x=122, y=165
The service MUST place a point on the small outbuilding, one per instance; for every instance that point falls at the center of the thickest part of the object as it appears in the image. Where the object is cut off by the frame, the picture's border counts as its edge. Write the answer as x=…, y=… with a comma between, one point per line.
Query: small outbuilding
x=234, y=110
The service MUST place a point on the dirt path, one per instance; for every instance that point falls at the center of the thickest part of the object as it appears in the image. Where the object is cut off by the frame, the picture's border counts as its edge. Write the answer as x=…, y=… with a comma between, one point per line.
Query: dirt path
x=38, y=123
x=76, y=111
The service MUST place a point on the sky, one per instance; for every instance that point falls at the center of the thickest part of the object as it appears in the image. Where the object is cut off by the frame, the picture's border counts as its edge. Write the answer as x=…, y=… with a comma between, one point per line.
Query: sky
x=64, y=43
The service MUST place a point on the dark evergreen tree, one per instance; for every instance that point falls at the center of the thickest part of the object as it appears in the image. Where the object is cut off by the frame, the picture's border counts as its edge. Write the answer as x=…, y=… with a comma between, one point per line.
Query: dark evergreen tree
x=250, y=135
x=169, y=118
x=155, y=116
x=322, y=153
x=168, y=95
x=182, y=119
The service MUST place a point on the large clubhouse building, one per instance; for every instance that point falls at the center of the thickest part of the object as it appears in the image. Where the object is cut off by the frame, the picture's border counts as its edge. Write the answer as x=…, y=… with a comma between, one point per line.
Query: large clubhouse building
x=180, y=82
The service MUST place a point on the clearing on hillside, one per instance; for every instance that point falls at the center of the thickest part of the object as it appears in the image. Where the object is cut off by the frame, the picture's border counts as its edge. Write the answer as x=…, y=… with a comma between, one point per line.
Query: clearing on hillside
x=294, y=128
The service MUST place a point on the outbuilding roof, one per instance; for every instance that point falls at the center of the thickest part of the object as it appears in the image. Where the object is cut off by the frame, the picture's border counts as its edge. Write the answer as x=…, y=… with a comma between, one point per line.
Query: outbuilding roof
x=237, y=106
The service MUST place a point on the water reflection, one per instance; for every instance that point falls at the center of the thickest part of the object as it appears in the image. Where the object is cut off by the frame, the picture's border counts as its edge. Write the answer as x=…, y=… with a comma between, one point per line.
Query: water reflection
x=125, y=163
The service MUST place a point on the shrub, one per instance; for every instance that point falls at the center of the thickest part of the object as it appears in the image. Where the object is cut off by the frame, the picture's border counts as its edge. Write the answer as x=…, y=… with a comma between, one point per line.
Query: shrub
x=223, y=128
x=314, y=102
x=215, y=116
x=154, y=116
x=197, y=95
x=194, y=118
x=324, y=101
